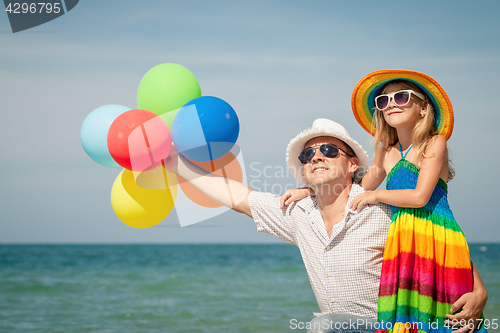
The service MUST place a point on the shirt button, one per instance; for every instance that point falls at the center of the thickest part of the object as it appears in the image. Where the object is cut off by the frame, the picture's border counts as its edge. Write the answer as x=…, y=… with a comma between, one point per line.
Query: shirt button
x=329, y=274
x=333, y=300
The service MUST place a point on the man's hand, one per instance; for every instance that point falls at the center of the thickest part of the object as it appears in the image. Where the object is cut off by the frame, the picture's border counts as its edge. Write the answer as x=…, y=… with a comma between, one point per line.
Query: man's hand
x=172, y=162
x=472, y=305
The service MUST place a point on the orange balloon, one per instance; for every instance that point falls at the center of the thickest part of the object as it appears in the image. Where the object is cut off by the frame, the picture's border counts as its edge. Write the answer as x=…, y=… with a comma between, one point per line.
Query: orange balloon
x=227, y=166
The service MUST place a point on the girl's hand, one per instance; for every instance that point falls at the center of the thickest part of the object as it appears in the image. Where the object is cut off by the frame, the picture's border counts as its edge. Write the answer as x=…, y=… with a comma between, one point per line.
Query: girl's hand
x=293, y=195
x=366, y=198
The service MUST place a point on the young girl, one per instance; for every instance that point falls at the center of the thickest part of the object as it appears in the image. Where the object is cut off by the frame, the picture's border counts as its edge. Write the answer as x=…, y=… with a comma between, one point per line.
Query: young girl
x=426, y=266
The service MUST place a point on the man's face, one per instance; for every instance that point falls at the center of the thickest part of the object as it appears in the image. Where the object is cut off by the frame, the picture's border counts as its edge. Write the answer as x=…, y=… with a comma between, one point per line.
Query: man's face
x=323, y=170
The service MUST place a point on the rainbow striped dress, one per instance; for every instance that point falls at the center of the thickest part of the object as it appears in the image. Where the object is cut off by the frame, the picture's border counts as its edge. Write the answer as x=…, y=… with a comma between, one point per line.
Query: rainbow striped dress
x=426, y=265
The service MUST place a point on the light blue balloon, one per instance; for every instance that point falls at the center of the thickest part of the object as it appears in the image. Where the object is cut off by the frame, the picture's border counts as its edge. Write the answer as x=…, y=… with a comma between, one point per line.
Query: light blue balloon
x=94, y=133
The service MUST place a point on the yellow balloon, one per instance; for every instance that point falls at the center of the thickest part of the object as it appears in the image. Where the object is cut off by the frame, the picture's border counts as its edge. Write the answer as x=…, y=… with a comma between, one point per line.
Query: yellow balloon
x=141, y=207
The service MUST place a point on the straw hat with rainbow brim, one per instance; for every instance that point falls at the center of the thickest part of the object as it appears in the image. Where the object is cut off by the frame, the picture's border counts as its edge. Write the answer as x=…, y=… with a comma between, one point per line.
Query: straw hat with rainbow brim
x=370, y=86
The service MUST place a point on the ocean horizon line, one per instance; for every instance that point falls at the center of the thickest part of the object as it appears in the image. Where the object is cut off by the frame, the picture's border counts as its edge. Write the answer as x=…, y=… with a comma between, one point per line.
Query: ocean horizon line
x=180, y=243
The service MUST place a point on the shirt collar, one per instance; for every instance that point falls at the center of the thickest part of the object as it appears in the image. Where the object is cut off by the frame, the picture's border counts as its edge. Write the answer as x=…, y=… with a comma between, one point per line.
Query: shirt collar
x=308, y=204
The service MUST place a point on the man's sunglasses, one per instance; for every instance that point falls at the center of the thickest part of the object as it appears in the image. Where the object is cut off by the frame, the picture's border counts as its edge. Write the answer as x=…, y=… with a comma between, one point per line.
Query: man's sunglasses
x=327, y=150
x=401, y=98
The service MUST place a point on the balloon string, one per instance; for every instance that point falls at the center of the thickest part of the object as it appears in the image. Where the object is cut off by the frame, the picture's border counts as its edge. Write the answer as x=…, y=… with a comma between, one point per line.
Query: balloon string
x=228, y=187
x=145, y=135
x=165, y=177
x=151, y=158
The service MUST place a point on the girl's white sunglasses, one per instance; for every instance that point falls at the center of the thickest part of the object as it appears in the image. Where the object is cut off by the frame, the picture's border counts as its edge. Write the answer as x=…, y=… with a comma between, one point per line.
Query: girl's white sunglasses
x=401, y=98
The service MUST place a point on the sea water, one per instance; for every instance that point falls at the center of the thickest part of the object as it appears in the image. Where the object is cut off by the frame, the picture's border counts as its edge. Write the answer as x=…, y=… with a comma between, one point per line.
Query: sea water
x=170, y=288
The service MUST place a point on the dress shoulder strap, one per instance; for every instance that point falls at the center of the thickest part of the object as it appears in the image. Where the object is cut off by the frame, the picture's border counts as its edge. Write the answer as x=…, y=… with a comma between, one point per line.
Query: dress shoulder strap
x=401, y=150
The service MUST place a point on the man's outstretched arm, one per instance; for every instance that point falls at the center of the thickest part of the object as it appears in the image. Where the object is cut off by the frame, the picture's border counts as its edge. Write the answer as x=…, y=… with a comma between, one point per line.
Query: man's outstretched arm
x=225, y=191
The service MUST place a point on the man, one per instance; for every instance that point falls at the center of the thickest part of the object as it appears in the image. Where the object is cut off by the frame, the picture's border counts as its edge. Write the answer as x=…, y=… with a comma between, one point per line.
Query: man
x=342, y=250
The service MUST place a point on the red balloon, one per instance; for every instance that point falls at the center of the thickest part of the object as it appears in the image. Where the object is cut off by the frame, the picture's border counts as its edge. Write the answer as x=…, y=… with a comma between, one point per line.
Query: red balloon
x=139, y=140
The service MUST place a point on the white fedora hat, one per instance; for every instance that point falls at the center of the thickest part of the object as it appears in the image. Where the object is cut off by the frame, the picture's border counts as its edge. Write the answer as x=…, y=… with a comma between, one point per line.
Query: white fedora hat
x=323, y=127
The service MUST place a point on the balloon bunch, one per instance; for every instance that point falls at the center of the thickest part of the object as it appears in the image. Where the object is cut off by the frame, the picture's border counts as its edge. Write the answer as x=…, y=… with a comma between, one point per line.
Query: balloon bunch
x=170, y=110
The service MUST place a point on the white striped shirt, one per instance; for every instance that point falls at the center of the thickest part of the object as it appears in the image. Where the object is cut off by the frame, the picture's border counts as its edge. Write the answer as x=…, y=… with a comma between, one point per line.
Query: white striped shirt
x=344, y=269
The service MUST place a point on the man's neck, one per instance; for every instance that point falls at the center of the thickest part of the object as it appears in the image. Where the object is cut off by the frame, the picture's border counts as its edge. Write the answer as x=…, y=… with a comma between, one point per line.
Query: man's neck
x=328, y=194
x=331, y=205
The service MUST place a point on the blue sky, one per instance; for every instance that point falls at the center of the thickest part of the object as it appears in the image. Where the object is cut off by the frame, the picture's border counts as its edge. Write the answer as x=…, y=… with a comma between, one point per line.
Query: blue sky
x=280, y=64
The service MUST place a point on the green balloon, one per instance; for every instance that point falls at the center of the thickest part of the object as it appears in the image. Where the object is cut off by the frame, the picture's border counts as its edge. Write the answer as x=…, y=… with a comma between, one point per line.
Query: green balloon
x=168, y=117
x=167, y=87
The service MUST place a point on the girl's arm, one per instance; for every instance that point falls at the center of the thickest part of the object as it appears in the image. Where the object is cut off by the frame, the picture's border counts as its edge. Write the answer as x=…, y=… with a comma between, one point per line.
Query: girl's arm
x=376, y=174
x=428, y=177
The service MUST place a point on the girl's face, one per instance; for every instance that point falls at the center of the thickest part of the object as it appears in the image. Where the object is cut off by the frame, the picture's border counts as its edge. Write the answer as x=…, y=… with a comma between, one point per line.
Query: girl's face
x=405, y=116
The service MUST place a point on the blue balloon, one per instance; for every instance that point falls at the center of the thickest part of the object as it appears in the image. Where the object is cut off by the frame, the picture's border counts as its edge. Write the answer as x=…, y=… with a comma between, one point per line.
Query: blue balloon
x=94, y=133
x=205, y=129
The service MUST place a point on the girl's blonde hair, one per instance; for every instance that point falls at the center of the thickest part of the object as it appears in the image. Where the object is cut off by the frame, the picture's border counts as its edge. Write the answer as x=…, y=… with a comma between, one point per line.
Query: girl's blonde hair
x=387, y=136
